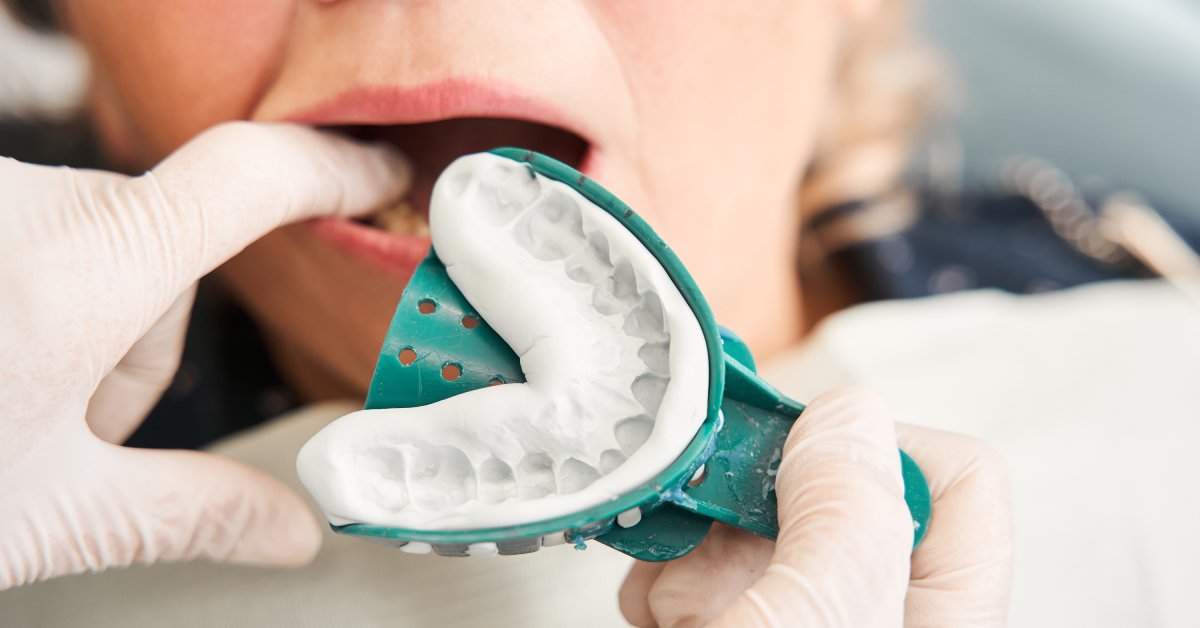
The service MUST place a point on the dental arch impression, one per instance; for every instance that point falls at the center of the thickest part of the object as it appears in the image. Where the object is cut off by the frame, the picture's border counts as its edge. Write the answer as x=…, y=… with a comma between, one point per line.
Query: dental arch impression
x=615, y=362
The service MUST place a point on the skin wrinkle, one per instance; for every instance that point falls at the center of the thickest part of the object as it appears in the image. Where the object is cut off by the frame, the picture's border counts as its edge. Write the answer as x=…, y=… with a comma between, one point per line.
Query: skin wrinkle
x=105, y=545
x=45, y=548
x=202, y=234
x=791, y=573
x=941, y=580
x=768, y=616
x=160, y=246
x=144, y=547
x=103, y=230
x=83, y=558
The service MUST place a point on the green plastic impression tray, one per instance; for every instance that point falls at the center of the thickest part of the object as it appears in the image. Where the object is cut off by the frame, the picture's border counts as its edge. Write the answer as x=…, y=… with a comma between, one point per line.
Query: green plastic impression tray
x=726, y=474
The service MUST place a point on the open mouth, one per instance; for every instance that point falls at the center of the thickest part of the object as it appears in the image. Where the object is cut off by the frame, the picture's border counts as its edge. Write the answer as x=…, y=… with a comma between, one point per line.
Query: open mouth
x=434, y=145
x=396, y=238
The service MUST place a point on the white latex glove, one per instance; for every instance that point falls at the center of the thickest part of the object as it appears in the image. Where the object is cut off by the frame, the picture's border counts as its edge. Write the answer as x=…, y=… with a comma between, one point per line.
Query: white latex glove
x=842, y=556
x=97, y=275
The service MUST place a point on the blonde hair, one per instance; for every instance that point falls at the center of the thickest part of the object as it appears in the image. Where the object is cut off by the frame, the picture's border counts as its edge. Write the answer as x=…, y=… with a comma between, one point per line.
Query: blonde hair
x=886, y=86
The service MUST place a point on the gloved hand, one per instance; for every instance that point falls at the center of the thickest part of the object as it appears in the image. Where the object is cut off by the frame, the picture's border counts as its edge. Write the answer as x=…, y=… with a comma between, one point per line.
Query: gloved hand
x=97, y=275
x=842, y=555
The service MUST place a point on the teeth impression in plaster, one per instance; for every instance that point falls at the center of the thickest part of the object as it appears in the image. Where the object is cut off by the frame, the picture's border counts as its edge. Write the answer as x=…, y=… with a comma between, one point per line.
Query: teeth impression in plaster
x=615, y=361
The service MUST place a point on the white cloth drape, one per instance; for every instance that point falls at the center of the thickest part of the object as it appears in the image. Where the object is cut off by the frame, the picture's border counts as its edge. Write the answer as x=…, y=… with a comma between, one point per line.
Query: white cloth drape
x=1092, y=395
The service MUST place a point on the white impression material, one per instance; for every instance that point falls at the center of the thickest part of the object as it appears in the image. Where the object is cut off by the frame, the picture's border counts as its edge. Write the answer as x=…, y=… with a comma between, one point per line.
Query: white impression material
x=615, y=360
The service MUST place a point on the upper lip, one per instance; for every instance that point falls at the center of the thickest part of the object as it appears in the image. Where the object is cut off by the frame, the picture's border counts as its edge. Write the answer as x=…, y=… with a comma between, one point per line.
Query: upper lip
x=449, y=98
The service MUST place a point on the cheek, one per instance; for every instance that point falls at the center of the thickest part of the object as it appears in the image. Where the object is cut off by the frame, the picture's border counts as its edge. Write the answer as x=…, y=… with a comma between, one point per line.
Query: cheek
x=329, y=309
x=166, y=70
x=719, y=81
x=729, y=100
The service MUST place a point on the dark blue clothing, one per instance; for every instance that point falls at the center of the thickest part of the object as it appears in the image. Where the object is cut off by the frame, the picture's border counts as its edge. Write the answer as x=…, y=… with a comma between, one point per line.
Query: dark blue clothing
x=982, y=240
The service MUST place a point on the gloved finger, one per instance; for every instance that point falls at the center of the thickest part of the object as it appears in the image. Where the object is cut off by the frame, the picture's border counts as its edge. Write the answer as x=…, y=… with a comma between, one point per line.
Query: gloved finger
x=694, y=589
x=128, y=393
x=842, y=556
x=633, y=598
x=183, y=504
x=228, y=187
x=237, y=181
x=962, y=571
x=79, y=504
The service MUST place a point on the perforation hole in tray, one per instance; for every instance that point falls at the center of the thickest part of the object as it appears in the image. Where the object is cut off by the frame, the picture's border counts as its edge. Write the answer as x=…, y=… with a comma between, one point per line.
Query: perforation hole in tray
x=451, y=371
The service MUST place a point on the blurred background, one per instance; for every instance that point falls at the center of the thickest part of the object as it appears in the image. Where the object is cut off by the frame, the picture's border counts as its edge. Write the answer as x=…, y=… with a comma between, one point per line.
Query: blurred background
x=40, y=75
x=1105, y=87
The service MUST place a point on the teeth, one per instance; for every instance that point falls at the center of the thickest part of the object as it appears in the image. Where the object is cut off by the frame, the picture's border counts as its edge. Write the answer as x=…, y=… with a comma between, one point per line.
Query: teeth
x=576, y=475
x=535, y=476
x=631, y=433
x=610, y=459
x=401, y=219
x=496, y=482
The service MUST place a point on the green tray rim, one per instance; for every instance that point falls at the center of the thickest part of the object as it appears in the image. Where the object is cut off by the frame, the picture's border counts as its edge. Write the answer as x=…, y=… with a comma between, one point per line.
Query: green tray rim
x=597, y=519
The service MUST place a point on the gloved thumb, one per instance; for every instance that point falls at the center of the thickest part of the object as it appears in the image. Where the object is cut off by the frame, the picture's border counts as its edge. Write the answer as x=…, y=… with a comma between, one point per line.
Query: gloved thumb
x=842, y=555
x=91, y=505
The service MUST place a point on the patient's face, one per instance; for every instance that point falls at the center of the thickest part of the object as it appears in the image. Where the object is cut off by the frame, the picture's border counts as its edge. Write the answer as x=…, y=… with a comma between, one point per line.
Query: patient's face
x=701, y=115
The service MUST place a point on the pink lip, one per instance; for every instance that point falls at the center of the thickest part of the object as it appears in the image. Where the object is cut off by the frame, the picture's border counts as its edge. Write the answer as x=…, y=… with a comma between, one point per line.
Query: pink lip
x=383, y=105
x=397, y=255
x=451, y=98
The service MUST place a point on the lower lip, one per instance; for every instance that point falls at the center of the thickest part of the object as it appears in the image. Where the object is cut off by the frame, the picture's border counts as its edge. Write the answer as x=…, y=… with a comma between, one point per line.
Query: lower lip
x=395, y=254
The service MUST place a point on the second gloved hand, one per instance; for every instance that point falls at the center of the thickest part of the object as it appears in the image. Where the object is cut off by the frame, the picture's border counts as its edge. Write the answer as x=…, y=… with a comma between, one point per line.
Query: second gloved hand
x=842, y=556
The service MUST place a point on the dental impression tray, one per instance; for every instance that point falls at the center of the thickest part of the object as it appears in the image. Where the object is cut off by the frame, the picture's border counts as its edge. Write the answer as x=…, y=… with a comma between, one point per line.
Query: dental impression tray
x=465, y=487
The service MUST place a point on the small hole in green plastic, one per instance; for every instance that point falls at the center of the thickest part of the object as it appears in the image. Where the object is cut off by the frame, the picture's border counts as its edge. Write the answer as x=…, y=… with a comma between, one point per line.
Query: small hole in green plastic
x=407, y=356
x=451, y=371
x=699, y=477
x=496, y=381
x=470, y=322
x=427, y=306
